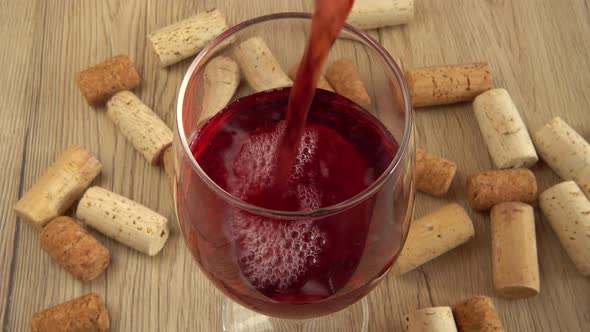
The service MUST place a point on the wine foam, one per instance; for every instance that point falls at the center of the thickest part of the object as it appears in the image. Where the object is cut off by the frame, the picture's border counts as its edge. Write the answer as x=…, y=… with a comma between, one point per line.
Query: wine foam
x=273, y=253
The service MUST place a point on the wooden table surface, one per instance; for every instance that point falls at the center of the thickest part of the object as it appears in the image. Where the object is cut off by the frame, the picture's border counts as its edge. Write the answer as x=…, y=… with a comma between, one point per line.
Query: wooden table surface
x=539, y=51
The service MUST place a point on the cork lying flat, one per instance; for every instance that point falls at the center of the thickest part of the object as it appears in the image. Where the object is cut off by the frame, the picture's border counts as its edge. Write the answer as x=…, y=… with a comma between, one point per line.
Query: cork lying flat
x=87, y=313
x=514, y=250
x=100, y=82
x=343, y=75
x=260, y=67
x=503, y=130
x=374, y=14
x=59, y=187
x=76, y=250
x=124, y=220
x=186, y=38
x=140, y=125
x=450, y=84
x=568, y=212
x=477, y=314
x=486, y=189
x=435, y=319
x=220, y=82
x=434, y=235
x=565, y=151
x=168, y=162
x=434, y=175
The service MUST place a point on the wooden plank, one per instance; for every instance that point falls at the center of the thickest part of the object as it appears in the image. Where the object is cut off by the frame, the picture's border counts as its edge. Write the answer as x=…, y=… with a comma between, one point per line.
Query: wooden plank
x=94, y=31
x=20, y=23
x=540, y=63
x=538, y=50
x=165, y=287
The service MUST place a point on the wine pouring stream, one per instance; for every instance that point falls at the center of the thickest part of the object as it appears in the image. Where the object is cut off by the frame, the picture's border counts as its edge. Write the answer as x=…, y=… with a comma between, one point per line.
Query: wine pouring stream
x=327, y=21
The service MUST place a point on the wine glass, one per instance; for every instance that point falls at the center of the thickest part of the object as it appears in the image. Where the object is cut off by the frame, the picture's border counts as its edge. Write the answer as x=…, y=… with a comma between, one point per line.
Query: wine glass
x=352, y=244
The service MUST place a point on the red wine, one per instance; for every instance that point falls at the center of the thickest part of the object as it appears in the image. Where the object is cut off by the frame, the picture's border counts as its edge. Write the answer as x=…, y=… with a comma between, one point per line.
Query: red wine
x=272, y=265
x=327, y=21
x=295, y=150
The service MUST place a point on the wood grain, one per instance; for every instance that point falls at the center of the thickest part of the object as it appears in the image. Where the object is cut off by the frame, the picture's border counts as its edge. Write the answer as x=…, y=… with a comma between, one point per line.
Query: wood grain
x=21, y=57
x=539, y=51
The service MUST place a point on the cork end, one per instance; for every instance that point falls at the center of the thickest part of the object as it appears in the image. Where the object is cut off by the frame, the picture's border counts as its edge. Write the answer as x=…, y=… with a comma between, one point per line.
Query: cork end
x=157, y=158
x=103, y=321
x=101, y=266
x=491, y=93
x=28, y=214
x=448, y=181
x=518, y=291
x=523, y=162
x=162, y=236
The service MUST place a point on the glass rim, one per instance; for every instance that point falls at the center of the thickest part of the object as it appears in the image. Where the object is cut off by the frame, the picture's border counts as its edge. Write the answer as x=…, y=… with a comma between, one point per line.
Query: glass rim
x=320, y=212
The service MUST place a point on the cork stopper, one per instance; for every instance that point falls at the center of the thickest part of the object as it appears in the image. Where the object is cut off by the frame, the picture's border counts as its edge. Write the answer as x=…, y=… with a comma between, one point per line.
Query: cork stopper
x=87, y=313
x=486, y=189
x=514, y=250
x=477, y=314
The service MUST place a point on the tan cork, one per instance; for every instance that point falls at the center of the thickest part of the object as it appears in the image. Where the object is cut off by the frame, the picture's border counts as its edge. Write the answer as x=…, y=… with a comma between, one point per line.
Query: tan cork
x=345, y=79
x=100, y=82
x=148, y=134
x=432, y=86
x=183, y=39
x=434, y=175
x=124, y=220
x=84, y=314
x=477, y=314
x=221, y=79
x=59, y=187
x=435, y=319
x=514, y=250
x=486, y=189
x=568, y=212
x=565, y=151
x=260, y=67
x=76, y=250
x=434, y=235
x=503, y=130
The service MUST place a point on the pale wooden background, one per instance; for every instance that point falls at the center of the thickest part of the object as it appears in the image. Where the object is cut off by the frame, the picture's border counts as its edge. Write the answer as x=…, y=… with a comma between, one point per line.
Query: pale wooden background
x=539, y=50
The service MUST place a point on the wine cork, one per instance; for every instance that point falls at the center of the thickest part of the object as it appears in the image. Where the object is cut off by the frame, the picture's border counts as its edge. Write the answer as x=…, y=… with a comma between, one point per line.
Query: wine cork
x=375, y=14
x=568, y=212
x=168, y=162
x=124, y=220
x=140, y=125
x=186, y=38
x=565, y=151
x=514, y=250
x=87, y=313
x=434, y=235
x=477, y=314
x=220, y=82
x=100, y=82
x=432, y=86
x=59, y=187
x=486, y=189
x=171, y=168
x=505, y=134
x=436, y=319
x=259, y=66
x=76, y=250
x=344, y=77
x=434, y=175
x=322, y=82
